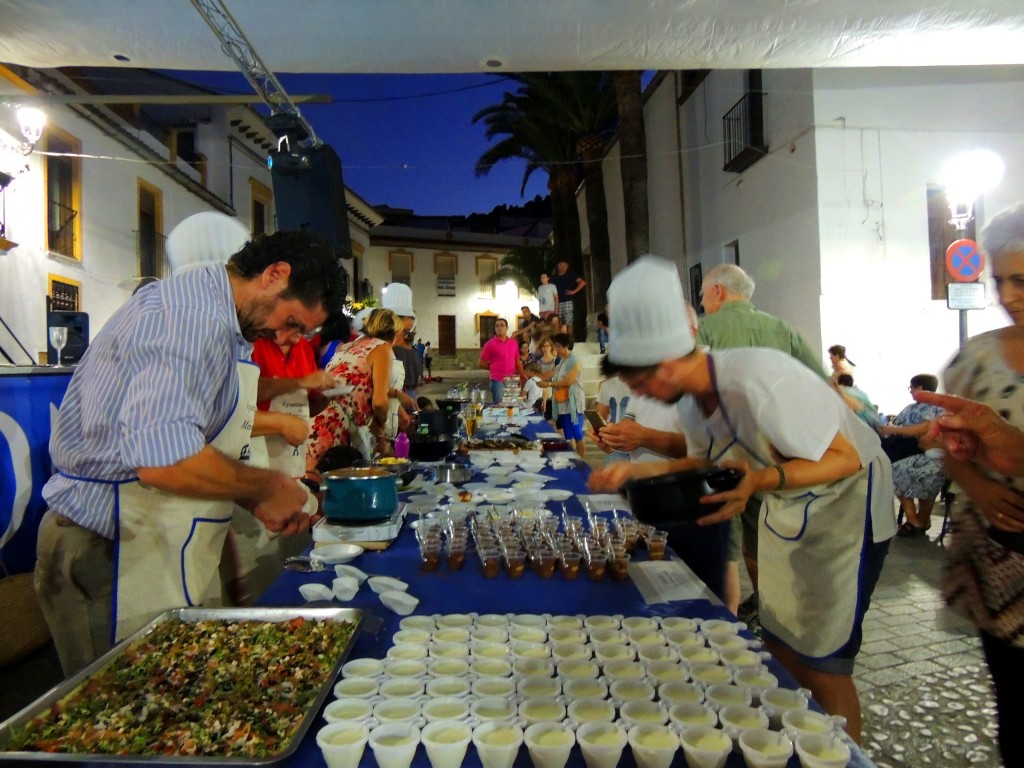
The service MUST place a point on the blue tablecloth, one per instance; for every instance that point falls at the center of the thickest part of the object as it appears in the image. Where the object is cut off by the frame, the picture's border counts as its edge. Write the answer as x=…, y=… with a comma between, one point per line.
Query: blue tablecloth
x=442, y=591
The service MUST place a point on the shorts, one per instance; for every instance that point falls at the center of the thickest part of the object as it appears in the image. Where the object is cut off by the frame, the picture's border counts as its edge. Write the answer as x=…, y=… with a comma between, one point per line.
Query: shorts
x=565, y=307
x=571, y=425
x=841, y=662
x=748, y=521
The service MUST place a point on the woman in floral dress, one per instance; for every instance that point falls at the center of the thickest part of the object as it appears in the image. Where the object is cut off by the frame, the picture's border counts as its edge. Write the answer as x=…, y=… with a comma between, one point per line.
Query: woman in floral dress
x=358, y=417
x=917, y=478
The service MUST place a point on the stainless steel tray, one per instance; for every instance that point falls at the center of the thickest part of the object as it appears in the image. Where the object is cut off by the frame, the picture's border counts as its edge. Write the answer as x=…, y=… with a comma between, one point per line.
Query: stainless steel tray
x=190, y=615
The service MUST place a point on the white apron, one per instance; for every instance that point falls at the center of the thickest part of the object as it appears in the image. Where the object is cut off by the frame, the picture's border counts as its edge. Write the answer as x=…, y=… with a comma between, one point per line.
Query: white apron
x=252, y=554
x=167, y=548
x=290, y=459
x=811, y=543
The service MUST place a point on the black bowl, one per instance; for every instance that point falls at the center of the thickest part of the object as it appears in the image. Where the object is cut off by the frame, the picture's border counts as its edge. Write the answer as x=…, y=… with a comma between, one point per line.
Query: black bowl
x=674, y=499
x=430, y=447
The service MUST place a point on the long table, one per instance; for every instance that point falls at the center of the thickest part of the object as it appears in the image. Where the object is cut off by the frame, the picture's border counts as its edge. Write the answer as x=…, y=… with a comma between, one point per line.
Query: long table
x=466, y=591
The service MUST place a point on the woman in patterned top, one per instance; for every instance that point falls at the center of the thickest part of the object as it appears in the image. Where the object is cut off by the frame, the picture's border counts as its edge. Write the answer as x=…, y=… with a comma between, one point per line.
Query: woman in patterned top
x=358, y=416
x=985, y=576
x=917, y=478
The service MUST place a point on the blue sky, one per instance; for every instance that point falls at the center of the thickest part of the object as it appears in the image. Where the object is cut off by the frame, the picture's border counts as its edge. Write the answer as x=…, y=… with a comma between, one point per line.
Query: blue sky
x=405, y=140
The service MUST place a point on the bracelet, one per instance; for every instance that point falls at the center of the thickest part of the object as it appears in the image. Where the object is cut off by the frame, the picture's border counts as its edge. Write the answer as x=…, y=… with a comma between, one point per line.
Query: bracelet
x=782, y=477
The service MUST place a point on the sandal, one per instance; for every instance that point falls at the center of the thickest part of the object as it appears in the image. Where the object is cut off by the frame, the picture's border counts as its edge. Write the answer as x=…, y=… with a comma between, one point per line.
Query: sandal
x=908, y=531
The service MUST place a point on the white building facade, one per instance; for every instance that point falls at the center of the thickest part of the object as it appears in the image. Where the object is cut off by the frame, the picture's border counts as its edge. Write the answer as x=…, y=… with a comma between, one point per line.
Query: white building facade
x=833, y=223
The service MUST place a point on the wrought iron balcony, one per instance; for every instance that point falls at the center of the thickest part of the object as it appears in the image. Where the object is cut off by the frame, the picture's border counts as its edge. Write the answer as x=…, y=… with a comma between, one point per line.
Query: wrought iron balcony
x=743, y=130
x=151, y=252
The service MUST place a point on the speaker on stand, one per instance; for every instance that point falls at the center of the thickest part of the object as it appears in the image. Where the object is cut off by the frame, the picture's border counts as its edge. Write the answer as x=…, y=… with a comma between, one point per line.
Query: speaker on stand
x=77, y=324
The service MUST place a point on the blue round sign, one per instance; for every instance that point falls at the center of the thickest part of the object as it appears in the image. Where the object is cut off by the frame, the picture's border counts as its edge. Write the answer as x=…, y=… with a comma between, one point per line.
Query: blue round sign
x=964, y=261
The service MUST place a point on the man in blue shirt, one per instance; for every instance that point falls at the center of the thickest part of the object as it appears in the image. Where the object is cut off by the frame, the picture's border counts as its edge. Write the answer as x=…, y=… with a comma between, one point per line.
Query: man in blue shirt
x=151, y=442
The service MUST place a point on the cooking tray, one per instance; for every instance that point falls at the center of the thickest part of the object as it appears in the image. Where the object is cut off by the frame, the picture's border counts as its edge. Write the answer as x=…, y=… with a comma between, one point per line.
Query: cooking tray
x=188, y=615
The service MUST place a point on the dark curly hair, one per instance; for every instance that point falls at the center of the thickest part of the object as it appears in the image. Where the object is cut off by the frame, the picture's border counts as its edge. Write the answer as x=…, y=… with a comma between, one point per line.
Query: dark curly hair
x=317, y=277
x=926, y=381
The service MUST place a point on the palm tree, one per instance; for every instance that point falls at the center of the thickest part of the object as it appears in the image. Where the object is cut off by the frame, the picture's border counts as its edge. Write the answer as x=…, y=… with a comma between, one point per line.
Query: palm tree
x=633, y=161
x=578, y=106
x=527, y=137
x=524, y=265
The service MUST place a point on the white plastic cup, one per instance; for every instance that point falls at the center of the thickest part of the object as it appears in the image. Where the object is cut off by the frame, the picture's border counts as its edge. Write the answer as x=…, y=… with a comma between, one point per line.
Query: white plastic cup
x=356, y=687
x=639, y=712
x=445, y=708
x=397, y=711
x=349, y=709
x=680, y=692
x=394, y=744
x=549, y=744
x=601, y=743
x=724, y=695
x=448, y=686
x=538, y=686
x=493, y=708
x=763, y=748
x=775, y=702
x=497, y=743
x=541, y=711
x=487, y=687
x=590, y=710
x=692, y=715
x=705, y=746
x=653, y=746
x=801, y=722
x=407, y=651
x=584, y=689
x=822, y=751
x=401, y=688
x=736, y=718
x=345, y=587
x=446, y=742
x=342, y=743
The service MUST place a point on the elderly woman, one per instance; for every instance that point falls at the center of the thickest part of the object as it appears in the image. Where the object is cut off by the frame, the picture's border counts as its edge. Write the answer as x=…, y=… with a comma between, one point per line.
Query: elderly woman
x=985, y=575
x=917, y=478
x=567, y=393
x=359, y=417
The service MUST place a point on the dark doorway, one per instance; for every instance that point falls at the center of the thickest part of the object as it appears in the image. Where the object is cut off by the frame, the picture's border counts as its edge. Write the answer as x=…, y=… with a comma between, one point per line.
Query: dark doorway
x=446, y=335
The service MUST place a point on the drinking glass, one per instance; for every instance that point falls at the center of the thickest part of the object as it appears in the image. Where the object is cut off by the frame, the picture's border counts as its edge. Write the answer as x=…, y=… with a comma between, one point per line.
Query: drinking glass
x=58, y=340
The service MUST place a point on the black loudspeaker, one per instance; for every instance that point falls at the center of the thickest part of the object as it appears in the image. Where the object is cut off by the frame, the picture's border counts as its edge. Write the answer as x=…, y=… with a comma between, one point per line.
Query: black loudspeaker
x=77, y=324
x=313, y=199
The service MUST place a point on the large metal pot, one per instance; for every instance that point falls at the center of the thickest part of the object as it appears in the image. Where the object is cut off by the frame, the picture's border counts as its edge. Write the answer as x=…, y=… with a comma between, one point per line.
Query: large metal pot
x=437, y=422
x=674, y=499
x=360, y=495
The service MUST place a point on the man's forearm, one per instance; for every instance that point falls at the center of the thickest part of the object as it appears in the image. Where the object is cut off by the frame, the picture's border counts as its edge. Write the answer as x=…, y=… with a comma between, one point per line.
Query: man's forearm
x=210, y=474
x=268, y=388
x=671, y=444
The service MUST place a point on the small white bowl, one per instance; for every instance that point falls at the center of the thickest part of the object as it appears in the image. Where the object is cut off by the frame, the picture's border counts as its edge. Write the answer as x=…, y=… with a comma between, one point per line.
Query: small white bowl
x=350, y=570
x=311, y=593
x=400, y=602
x=381, y=584
x=335, y=554
x=345, y=587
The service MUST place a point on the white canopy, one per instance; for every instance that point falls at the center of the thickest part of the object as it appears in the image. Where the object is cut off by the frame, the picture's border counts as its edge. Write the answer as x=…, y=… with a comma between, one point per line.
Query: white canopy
x=404, y=36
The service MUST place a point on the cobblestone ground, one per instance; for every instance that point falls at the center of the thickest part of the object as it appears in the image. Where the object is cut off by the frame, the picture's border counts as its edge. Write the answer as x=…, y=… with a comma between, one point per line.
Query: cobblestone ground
x=921, y=675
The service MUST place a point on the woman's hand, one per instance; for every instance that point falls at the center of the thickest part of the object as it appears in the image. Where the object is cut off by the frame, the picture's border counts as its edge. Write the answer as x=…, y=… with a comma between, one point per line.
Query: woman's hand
x=734, y=500
x=1003, y=507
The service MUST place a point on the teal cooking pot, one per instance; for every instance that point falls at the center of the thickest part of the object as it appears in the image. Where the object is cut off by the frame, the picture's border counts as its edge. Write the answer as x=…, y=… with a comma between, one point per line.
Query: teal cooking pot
x=359, y=495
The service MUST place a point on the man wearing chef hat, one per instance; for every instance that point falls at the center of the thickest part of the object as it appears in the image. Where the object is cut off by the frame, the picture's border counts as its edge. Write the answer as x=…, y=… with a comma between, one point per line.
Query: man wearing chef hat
x=398, y=298
x=150, y=442
x=827, y=517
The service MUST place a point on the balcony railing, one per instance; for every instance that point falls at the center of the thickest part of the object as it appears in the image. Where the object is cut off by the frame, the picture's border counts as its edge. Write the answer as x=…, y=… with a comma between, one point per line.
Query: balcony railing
x=62, y=229
x=743, y=129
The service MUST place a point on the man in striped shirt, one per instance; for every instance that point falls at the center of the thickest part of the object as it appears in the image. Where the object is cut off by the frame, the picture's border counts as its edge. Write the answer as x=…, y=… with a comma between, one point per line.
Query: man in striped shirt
x=151, y=441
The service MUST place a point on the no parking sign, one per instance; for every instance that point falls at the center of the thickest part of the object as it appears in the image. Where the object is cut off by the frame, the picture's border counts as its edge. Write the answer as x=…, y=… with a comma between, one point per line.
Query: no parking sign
x=964, y=261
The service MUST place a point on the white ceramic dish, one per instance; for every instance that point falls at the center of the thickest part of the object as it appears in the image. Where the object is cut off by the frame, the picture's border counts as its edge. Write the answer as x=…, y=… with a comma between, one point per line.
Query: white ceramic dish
x=336, y=554
x=401, y=603
x=381, y=584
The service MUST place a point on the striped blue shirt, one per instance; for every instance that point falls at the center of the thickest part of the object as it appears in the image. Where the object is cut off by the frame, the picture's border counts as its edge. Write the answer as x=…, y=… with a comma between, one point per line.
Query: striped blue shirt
x=155, y=386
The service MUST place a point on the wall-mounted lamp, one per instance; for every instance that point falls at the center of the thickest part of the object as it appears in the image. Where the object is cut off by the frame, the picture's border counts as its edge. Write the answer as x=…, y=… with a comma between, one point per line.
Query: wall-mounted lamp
x=31, y=121
x=966, y=177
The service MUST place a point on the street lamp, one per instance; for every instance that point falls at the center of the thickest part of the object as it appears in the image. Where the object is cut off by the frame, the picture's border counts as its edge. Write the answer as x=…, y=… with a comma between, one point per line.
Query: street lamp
x=966, y=177
x=31, y=121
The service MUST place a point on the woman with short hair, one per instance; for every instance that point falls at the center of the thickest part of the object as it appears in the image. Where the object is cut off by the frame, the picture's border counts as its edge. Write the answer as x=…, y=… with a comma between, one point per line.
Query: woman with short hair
x=568, y=398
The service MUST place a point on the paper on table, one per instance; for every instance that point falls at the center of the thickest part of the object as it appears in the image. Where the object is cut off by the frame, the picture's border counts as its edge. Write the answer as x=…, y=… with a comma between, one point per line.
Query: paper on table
x=604, y=502
x=661, y=581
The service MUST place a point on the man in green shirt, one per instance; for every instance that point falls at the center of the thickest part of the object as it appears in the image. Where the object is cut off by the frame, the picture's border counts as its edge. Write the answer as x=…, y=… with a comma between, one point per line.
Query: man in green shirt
x=731, y=321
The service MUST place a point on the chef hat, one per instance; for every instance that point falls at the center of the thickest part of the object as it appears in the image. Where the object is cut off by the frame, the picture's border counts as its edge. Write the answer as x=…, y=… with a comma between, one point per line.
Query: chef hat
x=360, y=319
x=398, y=298
x=205, y=238
x=648, y=315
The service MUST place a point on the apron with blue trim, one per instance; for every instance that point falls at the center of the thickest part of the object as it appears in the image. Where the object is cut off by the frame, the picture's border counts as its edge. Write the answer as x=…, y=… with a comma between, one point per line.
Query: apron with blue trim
x=167, y=548
x=809, y=549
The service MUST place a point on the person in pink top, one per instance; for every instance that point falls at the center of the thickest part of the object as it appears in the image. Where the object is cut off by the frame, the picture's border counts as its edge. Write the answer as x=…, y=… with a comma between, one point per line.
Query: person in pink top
x=500, y=356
